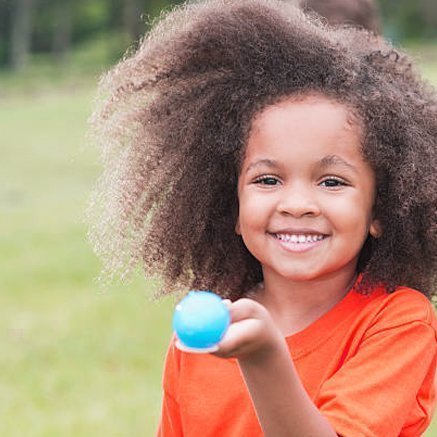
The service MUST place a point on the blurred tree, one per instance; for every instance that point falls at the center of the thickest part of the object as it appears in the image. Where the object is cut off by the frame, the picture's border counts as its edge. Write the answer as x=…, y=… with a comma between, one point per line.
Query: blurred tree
x=406, y=19
x=55, y=26
x=361, y=13
x=62, y=28
x=21, y=33
x=90, y=17
x=5, y=13
x=132, y=19
x=429, y=12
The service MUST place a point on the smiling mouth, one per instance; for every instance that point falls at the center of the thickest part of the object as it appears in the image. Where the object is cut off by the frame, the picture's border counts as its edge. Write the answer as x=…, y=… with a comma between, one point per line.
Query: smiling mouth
x=298, y=242
x=299, y=238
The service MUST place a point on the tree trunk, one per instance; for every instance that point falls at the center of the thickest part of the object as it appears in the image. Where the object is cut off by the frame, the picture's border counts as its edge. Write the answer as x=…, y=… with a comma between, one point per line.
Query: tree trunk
x=132, y=19
x=62, y=28
x=429, y=11
x=21, y=33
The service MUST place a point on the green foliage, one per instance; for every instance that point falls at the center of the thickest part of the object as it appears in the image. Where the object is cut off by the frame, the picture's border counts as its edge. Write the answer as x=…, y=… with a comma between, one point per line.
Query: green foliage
x=4, y=31
x=405, y=19
x=87, y=61
x=87, y=19
x=402, y=19
x=90, y=17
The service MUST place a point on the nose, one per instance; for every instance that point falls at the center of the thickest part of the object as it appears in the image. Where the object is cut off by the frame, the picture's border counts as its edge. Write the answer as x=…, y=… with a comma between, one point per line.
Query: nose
x=298, y=201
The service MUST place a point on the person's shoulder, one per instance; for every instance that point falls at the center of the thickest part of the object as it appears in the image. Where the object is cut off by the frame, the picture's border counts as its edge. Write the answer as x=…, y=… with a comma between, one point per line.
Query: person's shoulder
x=404, y=305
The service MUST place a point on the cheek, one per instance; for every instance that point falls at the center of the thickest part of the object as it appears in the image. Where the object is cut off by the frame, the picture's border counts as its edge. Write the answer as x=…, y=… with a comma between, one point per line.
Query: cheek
x=253, y=211
x=352, y=216
x=247, y=218
x=248, y=221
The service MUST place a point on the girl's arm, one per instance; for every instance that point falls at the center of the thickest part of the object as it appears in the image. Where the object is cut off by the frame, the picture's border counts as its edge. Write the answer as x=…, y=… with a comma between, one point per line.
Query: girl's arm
x=283, y=407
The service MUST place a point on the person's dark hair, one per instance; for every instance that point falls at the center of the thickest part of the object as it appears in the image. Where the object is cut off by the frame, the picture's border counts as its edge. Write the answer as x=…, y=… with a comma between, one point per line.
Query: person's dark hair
x=360, y=13
x=174, y=121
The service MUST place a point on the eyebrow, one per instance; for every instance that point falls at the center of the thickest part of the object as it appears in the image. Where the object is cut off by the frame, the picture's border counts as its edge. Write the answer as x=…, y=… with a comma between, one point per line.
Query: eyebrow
x=326, y=161
x=335, y=160
x=263, y=162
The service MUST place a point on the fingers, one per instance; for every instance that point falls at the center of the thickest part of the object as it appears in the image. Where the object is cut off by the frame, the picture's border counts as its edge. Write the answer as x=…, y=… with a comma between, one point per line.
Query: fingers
x=249, y=321
x=246, y=309
x=227, y=302
x=238, y=338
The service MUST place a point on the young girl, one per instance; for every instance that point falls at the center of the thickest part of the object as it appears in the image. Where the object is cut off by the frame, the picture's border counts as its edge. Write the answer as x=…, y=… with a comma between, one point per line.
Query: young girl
x=290, y=168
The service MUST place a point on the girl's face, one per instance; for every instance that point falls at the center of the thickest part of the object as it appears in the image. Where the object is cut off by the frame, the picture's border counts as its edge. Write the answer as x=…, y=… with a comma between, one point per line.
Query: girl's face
x=305, y=192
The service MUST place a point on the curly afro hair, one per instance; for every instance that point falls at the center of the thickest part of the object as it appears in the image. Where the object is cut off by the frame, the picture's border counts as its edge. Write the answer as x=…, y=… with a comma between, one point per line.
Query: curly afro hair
x=174, y=118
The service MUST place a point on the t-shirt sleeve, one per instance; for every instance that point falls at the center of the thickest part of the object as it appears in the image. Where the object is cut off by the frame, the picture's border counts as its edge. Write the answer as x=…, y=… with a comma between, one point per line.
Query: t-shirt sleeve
x=387, y=387
x=170, y=422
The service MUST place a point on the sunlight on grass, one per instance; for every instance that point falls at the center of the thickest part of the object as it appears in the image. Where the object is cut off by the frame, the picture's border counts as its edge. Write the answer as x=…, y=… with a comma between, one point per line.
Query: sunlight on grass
x=76, y=360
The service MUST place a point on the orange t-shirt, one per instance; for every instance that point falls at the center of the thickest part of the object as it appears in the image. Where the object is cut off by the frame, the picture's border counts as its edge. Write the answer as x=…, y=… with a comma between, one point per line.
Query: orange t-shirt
x=368, y=364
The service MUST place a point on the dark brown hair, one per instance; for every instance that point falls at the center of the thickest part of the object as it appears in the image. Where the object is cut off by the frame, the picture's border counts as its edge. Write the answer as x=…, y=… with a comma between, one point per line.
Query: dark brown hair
x=175, y=116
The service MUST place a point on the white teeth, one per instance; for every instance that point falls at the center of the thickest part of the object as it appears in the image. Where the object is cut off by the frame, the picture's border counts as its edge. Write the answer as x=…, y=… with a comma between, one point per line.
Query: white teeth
x=294, y=238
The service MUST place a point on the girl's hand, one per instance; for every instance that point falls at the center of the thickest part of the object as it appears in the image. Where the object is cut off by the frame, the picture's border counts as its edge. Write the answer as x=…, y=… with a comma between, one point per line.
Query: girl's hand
x=252, y=334
x=282, y=405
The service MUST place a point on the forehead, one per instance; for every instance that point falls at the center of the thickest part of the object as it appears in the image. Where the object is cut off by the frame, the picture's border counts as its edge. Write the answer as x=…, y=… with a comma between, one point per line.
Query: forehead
x=312, y=124
x=313, y=107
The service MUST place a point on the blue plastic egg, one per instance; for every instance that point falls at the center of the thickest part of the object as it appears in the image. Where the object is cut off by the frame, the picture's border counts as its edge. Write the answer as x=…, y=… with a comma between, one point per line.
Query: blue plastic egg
x=200, y=321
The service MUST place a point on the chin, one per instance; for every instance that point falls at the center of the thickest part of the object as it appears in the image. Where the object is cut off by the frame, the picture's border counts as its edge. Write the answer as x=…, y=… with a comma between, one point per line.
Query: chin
x=299, y=276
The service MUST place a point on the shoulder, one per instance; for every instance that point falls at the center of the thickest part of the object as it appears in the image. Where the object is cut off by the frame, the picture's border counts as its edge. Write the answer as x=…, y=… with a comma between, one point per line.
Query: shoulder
x=406, y=305
x=389, y=361
x=402, y=308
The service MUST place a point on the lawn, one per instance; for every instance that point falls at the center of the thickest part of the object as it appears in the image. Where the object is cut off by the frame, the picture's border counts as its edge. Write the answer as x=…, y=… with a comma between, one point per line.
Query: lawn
x=76, y=360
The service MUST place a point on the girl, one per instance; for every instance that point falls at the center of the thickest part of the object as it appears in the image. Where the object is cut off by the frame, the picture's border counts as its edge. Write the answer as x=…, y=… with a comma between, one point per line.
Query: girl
x=289, y=167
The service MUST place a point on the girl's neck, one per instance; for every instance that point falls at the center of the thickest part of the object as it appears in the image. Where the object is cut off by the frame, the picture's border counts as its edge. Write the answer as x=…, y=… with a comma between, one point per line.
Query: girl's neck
x=296, y=305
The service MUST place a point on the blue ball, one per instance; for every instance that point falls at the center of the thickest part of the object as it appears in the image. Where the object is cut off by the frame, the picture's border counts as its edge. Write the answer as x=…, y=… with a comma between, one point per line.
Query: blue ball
x=201, y=320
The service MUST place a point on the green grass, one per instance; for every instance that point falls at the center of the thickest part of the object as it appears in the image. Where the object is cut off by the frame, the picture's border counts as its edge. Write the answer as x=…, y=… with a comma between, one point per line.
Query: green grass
x=87, y=61
x=75, y=360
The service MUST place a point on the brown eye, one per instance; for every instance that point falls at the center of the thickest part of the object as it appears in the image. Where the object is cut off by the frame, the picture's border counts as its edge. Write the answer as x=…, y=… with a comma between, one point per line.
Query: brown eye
x=267, y=180
x=332, y=183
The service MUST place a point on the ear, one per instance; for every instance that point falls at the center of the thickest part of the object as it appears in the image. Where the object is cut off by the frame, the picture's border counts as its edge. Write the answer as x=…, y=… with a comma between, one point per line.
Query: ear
x=375, y=229
x=237, y=227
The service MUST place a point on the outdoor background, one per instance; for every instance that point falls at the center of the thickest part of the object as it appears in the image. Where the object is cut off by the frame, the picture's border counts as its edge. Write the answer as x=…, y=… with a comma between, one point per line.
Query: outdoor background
x=76, y=360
